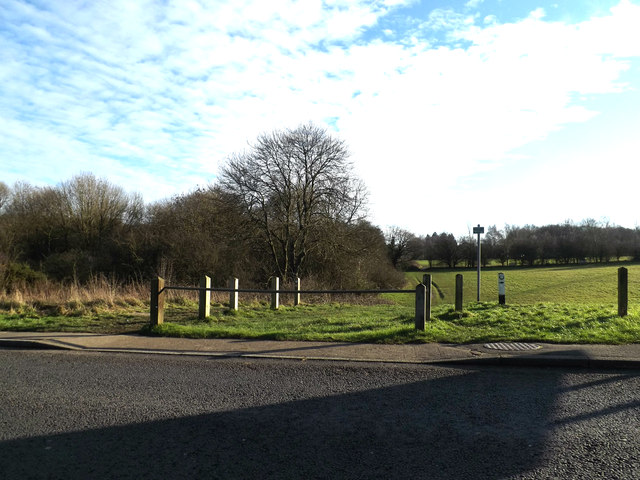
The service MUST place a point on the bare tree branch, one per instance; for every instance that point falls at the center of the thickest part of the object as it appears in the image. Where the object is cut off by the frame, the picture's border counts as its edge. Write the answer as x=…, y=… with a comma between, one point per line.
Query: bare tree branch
x=293, y=184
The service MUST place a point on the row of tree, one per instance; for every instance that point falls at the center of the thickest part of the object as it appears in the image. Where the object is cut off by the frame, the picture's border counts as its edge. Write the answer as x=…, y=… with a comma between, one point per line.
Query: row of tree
x=289, y=206
x=587, y=241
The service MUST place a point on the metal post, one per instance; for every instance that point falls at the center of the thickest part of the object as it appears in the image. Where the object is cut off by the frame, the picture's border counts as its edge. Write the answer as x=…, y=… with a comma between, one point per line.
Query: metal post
x=479, y=230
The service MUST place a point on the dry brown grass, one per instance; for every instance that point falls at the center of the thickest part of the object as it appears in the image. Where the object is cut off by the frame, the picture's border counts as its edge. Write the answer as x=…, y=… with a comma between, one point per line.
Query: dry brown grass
x=100, y=294
x=106, y=295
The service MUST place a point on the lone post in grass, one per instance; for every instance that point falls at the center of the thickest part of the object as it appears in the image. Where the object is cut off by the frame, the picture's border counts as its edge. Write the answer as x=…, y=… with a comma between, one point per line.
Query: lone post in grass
x=156, y=316
x=233, y=294
x=459, y=283
x=275, y=295
x=421, y=306
x=623, y=291
x=501, y=289
x=204, y=298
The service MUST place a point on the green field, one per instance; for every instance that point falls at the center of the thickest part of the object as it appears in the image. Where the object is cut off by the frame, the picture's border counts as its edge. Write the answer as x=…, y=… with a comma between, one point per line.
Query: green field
x=552, y=304
x=585, y=284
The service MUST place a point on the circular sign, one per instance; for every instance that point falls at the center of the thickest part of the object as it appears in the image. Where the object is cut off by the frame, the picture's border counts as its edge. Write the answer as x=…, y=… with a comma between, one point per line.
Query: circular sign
x=501, y=276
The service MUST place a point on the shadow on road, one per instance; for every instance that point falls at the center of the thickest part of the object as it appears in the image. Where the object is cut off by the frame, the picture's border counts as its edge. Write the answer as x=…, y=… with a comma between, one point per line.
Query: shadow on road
x=454, y=427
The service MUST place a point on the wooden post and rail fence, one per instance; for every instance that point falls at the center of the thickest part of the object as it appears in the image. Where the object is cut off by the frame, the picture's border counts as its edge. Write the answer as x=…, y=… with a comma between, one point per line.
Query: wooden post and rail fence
x=422, y=291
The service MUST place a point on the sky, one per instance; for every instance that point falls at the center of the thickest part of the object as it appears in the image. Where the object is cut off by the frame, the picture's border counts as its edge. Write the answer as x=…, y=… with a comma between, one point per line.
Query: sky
x=455, y=113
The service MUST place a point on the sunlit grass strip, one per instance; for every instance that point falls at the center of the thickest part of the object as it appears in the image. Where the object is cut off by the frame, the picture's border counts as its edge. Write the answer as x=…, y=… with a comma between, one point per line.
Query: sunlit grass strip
x=478, y=323
x=557, y=304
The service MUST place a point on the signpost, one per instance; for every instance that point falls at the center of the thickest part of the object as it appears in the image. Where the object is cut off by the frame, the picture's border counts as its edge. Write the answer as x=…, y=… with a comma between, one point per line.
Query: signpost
x=478, y=230
x=501, y=289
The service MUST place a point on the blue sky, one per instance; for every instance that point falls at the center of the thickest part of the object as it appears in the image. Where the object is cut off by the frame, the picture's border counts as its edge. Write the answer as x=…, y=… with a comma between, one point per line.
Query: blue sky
x=455, y=113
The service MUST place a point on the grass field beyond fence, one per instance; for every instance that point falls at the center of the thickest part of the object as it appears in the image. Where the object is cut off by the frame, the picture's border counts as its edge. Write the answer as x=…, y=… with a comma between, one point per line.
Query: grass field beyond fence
x=590, y=284
x=555, y=304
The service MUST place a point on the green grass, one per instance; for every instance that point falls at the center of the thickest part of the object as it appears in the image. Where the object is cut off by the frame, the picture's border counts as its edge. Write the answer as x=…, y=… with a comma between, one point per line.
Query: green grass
x=591, y=284
x=554, y=304
x=113, y=322
x=479, y=322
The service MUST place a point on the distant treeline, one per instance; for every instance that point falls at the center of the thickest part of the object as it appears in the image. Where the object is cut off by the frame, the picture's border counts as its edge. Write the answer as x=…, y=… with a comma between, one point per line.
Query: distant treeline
x=569, y=243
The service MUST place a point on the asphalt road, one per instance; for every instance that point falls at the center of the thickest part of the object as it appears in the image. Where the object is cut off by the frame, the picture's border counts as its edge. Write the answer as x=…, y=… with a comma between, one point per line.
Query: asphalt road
x=90, y=415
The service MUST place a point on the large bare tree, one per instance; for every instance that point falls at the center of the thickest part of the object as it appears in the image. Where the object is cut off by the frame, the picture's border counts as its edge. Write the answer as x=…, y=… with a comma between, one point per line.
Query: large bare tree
x=294, y=185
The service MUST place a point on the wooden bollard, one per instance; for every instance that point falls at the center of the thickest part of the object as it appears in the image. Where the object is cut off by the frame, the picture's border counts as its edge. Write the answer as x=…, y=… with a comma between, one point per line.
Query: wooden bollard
x=204, y=298
x=421, y=306
x=459, y=285
x=156, y=315
x=296, y=297
x=426, y=280
x=275, y=295
x=623, y=291
x=233, y=295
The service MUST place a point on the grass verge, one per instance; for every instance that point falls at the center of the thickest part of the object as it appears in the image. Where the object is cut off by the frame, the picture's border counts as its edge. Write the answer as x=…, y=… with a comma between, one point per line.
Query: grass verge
x=479, y=322
x=546, y=304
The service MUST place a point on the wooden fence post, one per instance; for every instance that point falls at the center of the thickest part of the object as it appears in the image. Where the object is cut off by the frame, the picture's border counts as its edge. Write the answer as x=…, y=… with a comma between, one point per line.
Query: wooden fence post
x=233, y=296
x=421, y=306
x=204, y=298
x=623, y=291
x=459, y=285
x=275, y=296
x=156, y=314
x=296, y=297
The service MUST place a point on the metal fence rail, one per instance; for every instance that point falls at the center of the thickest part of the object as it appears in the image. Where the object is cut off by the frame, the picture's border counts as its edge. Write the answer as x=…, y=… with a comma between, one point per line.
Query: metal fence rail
x=158, y=290
x=251, y=290
x=422, y=295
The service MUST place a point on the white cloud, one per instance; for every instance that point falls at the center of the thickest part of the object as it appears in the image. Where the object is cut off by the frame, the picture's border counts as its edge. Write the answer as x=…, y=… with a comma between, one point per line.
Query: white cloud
x=538, y=13
x=473, y=3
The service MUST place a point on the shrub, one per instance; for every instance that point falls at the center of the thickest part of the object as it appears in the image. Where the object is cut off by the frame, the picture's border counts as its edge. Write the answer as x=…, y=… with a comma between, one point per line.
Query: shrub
x=17, y=276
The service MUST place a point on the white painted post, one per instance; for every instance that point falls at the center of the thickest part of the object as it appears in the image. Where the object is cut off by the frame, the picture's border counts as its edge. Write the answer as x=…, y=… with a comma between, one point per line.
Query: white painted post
x=501, y=289
x=275, y=296
x=233, y=296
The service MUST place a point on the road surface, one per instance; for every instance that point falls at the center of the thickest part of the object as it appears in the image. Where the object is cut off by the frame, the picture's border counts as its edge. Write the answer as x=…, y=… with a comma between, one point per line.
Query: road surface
x=93, y=415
